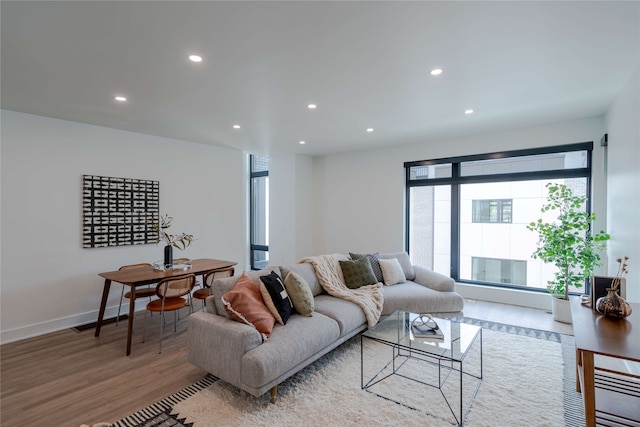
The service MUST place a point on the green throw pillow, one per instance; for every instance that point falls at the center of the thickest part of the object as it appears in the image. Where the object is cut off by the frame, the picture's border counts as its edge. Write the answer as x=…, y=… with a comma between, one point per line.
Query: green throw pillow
x=357, y=273
x=300, y=294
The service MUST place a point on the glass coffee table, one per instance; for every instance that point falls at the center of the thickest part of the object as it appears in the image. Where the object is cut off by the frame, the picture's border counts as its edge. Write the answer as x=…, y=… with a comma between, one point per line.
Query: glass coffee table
x=413, y=363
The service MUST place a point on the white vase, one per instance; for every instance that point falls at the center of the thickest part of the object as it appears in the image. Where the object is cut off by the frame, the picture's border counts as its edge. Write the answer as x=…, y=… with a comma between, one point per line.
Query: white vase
x=561, y=309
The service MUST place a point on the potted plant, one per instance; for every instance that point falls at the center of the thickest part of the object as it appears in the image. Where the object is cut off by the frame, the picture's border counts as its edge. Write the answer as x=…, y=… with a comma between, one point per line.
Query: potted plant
x=567, y=242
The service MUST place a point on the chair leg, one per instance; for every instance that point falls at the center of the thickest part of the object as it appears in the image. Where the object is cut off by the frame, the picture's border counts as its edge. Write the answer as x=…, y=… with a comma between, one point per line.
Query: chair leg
x=274, y=391
x=120, y=306
x=144, y=330
x=175, y=320
x=161, y=331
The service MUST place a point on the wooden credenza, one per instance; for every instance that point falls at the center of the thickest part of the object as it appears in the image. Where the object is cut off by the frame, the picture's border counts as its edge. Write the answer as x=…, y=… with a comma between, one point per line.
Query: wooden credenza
x=611, y=395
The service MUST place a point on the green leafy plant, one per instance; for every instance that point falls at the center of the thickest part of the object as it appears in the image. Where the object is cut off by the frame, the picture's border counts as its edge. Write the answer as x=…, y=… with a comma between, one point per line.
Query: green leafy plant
x=179, y=241
x=568, y=242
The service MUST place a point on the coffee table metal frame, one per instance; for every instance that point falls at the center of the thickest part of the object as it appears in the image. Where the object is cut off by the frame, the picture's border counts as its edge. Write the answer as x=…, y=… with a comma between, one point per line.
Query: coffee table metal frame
x=448, y=356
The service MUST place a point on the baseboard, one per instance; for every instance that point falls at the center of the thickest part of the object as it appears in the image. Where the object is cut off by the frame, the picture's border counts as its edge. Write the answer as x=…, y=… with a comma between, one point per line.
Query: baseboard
x=59, y=324
x=539, y=300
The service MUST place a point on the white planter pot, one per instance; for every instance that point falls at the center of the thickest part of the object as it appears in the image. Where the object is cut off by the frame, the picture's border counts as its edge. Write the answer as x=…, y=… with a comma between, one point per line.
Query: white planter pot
x=561, y=310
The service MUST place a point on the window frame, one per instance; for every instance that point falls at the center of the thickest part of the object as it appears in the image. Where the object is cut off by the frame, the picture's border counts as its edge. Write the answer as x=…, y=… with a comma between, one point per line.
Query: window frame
x=456, y=180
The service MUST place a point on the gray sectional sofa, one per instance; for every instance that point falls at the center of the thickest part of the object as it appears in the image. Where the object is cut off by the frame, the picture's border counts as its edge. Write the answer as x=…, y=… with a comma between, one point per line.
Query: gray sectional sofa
x=236, y=353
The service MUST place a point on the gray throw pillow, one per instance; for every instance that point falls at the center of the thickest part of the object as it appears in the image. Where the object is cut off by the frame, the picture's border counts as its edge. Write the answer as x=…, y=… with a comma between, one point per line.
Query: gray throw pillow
x=357, y=273
x=373, y=259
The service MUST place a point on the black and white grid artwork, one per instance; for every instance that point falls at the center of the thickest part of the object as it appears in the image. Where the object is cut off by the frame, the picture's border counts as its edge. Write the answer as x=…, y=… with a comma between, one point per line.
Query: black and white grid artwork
x=119, y=211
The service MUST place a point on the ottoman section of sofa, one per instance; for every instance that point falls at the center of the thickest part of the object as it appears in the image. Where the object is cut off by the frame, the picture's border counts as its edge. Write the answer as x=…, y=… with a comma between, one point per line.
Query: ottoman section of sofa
x=410, y=296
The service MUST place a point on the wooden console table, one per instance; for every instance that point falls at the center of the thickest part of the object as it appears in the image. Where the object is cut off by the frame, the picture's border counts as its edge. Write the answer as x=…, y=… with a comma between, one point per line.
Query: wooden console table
x=611, y=397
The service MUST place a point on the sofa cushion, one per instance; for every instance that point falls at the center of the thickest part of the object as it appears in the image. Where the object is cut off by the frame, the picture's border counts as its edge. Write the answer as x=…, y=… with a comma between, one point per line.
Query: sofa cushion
x=405, y=262
x=410, y=296
x=275, y=297
x=308, y=273
x=244, y=304
x=289, y=345
x=373, y=259
x=300, y=294
x=392, y=271
x=348, y=314
x=221, y=286
x=357, y=273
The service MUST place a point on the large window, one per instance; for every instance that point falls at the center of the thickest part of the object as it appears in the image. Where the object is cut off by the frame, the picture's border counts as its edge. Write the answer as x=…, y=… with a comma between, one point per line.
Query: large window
x=259, y=211
x=467, y=216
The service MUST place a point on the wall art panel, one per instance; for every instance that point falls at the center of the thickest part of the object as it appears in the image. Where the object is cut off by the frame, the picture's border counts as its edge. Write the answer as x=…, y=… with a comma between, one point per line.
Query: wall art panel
x=119, y=211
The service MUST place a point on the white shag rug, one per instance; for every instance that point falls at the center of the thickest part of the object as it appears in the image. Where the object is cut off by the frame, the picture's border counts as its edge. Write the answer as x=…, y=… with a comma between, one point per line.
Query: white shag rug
x=522, y=385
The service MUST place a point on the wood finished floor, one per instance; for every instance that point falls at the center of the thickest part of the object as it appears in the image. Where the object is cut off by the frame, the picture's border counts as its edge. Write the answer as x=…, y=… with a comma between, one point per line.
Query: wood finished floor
x=70, y=378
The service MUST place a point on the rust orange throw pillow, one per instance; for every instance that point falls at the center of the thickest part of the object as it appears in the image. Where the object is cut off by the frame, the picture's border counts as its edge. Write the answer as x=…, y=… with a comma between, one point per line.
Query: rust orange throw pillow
x=244, y=304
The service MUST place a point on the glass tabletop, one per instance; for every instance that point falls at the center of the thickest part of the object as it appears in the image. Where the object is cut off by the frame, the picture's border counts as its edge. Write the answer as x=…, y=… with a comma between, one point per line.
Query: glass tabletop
x=396, y=330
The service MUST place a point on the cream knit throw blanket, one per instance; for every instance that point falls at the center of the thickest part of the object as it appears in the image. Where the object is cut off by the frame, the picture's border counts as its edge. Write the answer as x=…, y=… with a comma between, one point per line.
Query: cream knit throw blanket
x=329, y=273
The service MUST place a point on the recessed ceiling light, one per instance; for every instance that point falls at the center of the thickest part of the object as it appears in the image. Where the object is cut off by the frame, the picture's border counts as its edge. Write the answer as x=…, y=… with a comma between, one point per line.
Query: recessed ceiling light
x=195, y=58
x=302, y=142
x=436, y=71
x=369, y=129
x=312, y=106
x=120, y=98
x=468, y=111
x=236, y=126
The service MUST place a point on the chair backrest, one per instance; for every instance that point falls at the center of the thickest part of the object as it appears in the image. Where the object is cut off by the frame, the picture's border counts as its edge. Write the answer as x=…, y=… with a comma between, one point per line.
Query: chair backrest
x=142, y=264
x=175, y=287
x=211, y=275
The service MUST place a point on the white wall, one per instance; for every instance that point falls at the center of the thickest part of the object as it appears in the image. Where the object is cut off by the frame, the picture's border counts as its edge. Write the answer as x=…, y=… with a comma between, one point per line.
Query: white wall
x=291, y=208
x=359, y=196
x=623, y=185
x=48, y=282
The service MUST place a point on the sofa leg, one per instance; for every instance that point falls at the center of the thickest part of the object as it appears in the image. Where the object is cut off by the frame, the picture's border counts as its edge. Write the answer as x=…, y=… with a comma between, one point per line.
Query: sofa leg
x=274, y=390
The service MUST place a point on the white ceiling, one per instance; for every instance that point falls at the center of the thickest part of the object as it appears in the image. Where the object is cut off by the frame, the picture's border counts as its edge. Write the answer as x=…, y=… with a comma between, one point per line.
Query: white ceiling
x=365, y=64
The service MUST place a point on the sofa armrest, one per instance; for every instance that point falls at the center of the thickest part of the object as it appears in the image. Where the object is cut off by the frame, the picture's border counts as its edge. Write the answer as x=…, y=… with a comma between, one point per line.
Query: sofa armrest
x=210, y=305
x=217, y=344
x=434, y=280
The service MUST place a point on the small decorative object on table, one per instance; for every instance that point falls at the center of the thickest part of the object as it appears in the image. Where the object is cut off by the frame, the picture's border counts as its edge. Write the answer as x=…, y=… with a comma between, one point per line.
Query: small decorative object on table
x=180, y=241
x=612, y=304
x=424, y=327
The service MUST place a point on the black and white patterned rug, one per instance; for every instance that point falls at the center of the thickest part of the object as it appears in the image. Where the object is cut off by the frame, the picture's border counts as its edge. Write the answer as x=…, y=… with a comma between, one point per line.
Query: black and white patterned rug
x=161, y=413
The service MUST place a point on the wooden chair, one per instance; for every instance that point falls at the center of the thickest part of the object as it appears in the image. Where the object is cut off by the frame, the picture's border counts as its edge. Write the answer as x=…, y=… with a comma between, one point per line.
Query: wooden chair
x=207, y=280
x=170, y=294
x=147, y=292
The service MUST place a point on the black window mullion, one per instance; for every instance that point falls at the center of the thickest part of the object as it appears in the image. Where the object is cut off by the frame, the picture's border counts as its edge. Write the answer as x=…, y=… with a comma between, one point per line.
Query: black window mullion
x=455, y=223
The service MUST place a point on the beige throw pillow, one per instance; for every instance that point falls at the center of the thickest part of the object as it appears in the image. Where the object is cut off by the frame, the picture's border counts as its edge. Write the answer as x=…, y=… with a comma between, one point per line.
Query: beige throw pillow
x=392, y=271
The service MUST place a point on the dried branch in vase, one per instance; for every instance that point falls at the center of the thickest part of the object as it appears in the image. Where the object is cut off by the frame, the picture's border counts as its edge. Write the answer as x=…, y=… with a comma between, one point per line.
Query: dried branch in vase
x=179, y=241
x=622, y=272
